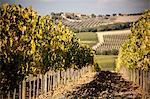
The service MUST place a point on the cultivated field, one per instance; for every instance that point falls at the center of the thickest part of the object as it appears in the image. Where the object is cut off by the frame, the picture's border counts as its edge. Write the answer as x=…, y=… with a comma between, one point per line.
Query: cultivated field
x=99, y=21
x=126, y=18
x=111, y=39
x=88, y=23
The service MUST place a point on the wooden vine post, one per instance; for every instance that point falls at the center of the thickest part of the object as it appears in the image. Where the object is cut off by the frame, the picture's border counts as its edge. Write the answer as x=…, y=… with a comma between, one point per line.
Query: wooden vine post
x=24, y=89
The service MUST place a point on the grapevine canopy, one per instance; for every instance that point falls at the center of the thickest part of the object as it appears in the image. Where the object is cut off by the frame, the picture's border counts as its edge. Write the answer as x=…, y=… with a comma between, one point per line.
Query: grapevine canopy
x=135, y=52
x=31, y=44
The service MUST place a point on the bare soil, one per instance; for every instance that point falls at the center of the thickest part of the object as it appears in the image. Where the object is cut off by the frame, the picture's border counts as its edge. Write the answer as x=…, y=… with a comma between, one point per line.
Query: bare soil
x=103, y=85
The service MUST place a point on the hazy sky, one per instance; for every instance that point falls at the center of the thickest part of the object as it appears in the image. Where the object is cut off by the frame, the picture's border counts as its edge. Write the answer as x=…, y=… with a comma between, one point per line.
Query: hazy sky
x=44, y=7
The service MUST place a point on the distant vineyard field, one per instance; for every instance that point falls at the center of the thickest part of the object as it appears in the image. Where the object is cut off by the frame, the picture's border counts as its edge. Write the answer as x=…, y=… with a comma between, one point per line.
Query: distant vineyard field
x=90, y=22
x=100, y=23
x=111, y=41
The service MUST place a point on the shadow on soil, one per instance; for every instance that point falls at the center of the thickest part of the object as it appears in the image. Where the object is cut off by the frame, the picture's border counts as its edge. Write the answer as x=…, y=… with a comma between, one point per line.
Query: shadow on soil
x=108, y=85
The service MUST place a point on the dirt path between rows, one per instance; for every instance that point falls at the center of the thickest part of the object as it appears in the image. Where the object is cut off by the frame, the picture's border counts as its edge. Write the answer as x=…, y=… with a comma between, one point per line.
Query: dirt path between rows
x=62, y=90
x=104, y=85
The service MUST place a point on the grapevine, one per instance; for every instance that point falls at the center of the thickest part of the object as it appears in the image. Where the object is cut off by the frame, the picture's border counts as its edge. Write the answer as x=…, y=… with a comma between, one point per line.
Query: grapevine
x=135, y=53
x=33, y=44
